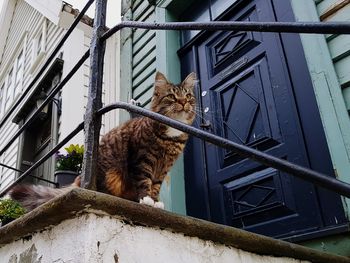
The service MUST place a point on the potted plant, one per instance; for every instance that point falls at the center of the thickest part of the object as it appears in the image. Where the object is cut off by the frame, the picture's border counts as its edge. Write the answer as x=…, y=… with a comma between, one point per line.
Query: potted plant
x=9, y=211
x=69, y=165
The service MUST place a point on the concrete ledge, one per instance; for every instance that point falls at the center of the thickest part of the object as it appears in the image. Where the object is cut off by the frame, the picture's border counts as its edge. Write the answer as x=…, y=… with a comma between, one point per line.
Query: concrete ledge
x=80, y=201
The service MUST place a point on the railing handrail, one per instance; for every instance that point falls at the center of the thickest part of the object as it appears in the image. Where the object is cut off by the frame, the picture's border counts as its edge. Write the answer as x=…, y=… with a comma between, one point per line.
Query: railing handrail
x=307, y=174
x=31, y=175
x=274, y=27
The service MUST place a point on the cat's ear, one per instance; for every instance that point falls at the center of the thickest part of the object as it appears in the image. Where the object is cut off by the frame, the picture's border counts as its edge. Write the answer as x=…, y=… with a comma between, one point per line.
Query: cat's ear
x=160, y=80
x=190, y=80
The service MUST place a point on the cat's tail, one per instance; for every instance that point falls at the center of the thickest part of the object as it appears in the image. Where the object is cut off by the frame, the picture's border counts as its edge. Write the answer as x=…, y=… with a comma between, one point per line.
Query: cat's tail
x=32, y=196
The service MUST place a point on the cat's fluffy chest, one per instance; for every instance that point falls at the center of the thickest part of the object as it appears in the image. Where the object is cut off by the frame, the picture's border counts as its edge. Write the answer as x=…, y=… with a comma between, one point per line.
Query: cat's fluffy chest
x=172, y=132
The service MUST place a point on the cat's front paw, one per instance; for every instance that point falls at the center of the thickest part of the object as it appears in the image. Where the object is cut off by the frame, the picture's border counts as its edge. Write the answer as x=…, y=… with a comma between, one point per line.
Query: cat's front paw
x=147, y=200
x=159, y=205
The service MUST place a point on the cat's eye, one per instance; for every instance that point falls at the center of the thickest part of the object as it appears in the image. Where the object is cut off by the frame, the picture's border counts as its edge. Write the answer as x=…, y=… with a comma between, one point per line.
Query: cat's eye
x=171, y=96
x=189, y=96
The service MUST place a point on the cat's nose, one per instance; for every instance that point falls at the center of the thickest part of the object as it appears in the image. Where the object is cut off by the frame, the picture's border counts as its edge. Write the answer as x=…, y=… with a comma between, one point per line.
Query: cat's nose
x=182, y=101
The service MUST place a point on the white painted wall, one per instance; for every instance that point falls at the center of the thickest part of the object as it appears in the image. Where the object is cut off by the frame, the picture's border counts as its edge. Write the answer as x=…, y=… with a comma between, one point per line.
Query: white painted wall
x=73, y=92
x=91, y=238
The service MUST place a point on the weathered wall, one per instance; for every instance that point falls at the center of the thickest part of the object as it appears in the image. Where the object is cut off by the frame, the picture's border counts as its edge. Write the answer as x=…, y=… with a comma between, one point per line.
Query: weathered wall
x=91, y=238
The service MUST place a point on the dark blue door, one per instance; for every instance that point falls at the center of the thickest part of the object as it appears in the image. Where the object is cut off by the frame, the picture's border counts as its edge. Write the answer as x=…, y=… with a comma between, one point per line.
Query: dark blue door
x=246, y=95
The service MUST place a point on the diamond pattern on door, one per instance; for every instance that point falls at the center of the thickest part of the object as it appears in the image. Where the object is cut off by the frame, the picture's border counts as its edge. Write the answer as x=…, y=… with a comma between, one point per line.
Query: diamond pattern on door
x=251, y=197
x=240, y=125
x=230, y=45
x=244, y=118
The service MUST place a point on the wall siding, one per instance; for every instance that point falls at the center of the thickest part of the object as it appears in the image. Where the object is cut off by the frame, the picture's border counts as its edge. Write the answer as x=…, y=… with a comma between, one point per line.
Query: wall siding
x=25, y=21
x=143, y=54
x=339, y=45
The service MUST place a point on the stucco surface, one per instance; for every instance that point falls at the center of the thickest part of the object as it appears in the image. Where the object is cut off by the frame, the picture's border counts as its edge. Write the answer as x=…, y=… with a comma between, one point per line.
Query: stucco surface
x=86, y=226
x=96, y=238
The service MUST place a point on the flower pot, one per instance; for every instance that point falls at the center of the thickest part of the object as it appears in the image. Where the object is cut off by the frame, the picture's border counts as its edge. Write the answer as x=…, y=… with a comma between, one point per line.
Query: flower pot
x=63, y=177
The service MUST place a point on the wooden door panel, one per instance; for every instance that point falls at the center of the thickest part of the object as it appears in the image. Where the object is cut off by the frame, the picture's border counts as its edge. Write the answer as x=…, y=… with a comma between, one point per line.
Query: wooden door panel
x=244, y=114
x=247, y=96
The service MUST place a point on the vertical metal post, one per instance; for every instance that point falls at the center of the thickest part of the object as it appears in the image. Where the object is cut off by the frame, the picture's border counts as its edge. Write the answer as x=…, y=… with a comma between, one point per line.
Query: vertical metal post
x=92, y=123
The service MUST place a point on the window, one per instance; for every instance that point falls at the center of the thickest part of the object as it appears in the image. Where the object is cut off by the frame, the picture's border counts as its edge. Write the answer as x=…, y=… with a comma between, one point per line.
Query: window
x=19, y=73
x=9, y=90
x=2, y=88
x=12, y=82
x=39, y=45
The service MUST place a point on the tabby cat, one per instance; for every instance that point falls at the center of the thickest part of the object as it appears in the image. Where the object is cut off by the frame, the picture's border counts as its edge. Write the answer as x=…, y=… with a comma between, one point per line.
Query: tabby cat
x=135, y=157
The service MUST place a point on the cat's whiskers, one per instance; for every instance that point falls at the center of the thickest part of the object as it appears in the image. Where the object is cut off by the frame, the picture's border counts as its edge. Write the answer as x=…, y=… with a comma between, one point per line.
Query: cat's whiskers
x=213, y=116
x=171, y=109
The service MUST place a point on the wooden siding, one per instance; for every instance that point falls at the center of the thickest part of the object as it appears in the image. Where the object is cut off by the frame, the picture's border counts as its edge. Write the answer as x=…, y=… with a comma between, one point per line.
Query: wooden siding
x=339, y=45
x=26, y=21
x=143, y=54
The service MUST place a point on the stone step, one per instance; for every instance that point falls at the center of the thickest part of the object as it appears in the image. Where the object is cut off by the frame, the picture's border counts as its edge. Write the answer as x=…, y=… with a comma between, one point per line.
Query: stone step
x=86, y=226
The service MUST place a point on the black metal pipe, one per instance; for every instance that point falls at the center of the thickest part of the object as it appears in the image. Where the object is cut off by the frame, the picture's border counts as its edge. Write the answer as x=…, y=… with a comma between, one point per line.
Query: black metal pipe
x=36, y=177
x=92, y=122
x=44, y=158
x=278, y=27
x=46, y=64
x=57, y=88
x=307, y=174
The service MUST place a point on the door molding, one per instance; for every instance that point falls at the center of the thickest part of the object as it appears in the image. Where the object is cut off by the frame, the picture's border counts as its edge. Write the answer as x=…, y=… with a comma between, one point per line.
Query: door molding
x=332, y=109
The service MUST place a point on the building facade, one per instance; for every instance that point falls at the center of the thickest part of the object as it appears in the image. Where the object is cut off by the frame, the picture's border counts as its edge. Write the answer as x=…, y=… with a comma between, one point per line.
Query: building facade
x=30, y=30
x=274, y=92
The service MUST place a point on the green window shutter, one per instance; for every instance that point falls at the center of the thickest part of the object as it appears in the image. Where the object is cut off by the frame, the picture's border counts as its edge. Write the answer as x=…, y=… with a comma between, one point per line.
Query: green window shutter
x=143, y=54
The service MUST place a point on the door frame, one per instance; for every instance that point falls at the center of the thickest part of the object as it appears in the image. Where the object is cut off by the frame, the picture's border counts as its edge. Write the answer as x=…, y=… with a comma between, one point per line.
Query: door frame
x=334, y=115
x=309, y=113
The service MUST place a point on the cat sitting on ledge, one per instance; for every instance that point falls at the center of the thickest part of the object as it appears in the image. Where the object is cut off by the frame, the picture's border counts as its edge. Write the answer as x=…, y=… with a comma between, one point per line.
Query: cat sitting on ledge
x=135, y=157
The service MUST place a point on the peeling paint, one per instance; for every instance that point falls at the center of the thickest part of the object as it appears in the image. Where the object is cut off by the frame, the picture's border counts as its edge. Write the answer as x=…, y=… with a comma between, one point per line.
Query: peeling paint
x=95, y=238
x=29, y=256
x=116, y=259
x=13, y=259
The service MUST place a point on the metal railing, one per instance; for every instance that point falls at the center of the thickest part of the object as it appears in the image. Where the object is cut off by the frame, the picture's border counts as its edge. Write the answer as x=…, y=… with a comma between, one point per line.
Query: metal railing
x=92, y=121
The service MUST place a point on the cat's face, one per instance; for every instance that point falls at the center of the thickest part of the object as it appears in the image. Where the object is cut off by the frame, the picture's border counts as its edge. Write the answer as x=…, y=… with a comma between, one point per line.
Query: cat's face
x=175, y=101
